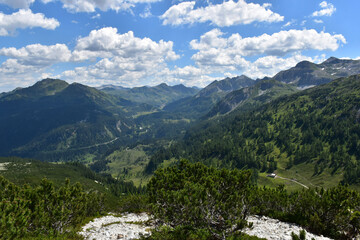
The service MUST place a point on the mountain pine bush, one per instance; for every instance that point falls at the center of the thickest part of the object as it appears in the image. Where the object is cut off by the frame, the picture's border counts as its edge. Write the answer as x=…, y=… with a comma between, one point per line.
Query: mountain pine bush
x=26, y=211
x=194, y=197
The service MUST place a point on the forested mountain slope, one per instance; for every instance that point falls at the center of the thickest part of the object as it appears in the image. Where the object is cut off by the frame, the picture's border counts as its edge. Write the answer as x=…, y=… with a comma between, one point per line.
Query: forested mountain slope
x=319, y=126
x=249, y=97
x=204, y=100
x=55, y=116
x=157, y=96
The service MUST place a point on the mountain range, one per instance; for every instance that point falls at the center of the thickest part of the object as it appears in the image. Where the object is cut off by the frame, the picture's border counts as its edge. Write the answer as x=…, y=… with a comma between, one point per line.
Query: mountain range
x=56, y=121
x=306, y=74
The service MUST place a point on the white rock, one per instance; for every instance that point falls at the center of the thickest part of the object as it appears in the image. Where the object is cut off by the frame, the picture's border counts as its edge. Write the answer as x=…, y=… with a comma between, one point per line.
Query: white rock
x=274, y=229
x=111, y=227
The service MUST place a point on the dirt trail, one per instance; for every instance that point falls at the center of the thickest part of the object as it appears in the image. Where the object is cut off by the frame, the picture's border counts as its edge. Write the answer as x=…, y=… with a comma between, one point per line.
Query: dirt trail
x=96, y=145
x=292, y=180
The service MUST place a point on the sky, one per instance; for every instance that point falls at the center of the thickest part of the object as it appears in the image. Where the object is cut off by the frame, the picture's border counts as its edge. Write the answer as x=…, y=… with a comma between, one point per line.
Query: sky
x=147, y=42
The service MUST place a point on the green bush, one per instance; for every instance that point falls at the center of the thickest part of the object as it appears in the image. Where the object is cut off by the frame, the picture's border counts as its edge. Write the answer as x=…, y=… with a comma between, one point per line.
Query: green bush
x=134, y=203
x=44, y=210
x=200, y=198
x=334, y=212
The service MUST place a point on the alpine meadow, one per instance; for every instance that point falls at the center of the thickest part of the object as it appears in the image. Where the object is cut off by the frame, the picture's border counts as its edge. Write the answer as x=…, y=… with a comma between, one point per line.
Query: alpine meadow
x=179, y=120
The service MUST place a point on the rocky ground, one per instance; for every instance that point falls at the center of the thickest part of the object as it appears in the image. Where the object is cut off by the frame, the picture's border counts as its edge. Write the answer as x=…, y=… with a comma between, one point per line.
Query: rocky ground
x=264, y=227
x=125, y=227
x=131, y=226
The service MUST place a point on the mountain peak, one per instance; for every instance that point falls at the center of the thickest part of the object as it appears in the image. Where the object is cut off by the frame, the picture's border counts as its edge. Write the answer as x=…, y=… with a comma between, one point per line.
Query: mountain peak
x=45, y=87
x=162, y=85
x=305, y=64
x=331, y=60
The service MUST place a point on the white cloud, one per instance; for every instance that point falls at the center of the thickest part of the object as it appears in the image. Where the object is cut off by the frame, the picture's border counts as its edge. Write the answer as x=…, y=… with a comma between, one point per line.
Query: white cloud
x=124, y=57
x=327, y=10
x=12, y=66
x=14, y=74
x=17, y=3
x=318, y=21
x=188, y=75
x=25, y=19
x=147, y=12
x=218, y=54
x=215, y=50
x=225, y=14
x=117, y=58
x=97, y=16
x=107, y=42
x=103, y=5
x=287, y=24
x=37, y=55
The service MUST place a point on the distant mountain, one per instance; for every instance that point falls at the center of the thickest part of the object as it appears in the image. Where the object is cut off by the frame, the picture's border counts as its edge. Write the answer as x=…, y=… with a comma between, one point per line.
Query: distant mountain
x=157, y=96
x=110, y=87
x=306, y=74
x=225, y=86
x=205, y=99
x=53, y=116
x=250, y=97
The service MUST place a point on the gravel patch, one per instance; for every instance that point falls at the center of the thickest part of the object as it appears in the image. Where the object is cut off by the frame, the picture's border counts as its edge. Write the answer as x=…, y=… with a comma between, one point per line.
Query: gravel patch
x=3, y=166
x=110, y=227
x=129, y=227
x=264, y=227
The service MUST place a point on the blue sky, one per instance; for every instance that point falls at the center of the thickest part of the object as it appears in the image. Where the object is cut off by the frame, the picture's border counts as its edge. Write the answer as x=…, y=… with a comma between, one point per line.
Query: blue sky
x=147, y=42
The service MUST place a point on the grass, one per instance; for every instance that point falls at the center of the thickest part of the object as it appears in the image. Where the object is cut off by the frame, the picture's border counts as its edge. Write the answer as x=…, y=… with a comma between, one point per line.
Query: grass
x=129, y=164
x=303, y=173
x=139, y=114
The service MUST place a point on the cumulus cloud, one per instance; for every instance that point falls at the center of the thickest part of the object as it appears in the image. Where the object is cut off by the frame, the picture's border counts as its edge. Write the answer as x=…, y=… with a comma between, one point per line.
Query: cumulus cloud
x=225, y=14
x=124, y=57
x=17, y=3
x=279, y=51
x=116, y=57
x=216, y=50
x=188, y=75
x=37, y=55
x=25, y=19
x=14, y=74
x=107, y=42
x=327, y=9
x=103, y=5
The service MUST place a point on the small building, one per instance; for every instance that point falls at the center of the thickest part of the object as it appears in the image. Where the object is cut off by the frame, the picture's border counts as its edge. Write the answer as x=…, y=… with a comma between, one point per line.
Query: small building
x=272, y=175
